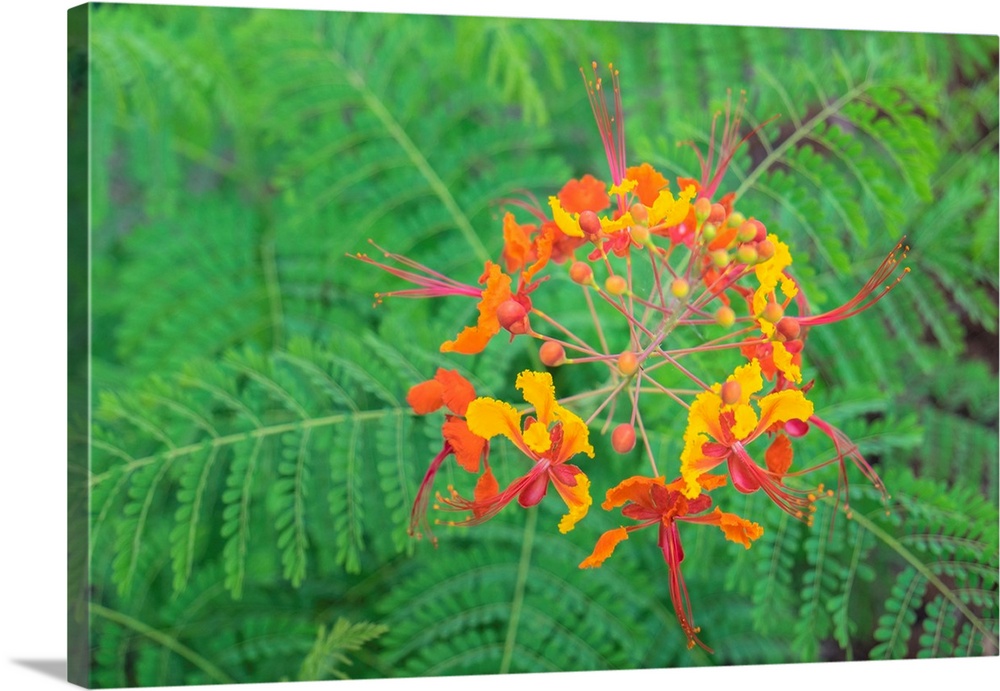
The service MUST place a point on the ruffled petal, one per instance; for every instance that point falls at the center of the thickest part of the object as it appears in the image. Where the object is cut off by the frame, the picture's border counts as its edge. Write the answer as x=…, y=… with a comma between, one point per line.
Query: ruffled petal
x=604, y=548
x=577, y=499
x=538, y=390
x=468, y=447
x=488, y=417
x=566, y=222
x=779, y=455
x=736, y=529
x=585, y=194
x=782, y=406
x=648, y=180
x=636, y=489
x=537, y=438
x=622, y=188
x=576, y=436
x=473, y=339
x=516, y=243
x=456, y=391
x=668, y=211
x=783, y=361
x=425, y=397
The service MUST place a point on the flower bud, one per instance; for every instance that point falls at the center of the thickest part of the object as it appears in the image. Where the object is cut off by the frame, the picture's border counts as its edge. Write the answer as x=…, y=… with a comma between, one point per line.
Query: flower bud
x=552, y=354
x=720, y=258
x=709, y=231
x=640, y=233
x=702, y=209
x=628, y=363
x=796, y=428
x=788, y=327
x=581, y=273
x=761, y=230
x=616, y=285
x=735, y=219
x=623, y=438
x=747, y=253
x=731, y=392
x=724, y=316
x=772, y=312
x=512, y=316
x=679, y=288
x=639, y=213
x=717, y=215
x=765, y=250
x=590, y=224
x=747, y=232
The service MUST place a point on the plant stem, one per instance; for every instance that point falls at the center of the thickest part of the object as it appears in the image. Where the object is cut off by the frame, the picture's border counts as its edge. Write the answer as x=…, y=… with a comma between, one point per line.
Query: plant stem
x=522, y=579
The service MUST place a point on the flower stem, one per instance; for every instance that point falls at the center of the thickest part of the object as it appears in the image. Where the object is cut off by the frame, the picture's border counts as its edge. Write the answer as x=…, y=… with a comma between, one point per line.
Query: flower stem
x=522, y=579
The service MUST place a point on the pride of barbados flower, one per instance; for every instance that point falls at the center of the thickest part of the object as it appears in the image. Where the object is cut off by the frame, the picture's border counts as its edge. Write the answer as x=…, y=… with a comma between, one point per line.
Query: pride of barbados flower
x=652, y=275
x=651, y=501
x=549, y=438
x=722, y=423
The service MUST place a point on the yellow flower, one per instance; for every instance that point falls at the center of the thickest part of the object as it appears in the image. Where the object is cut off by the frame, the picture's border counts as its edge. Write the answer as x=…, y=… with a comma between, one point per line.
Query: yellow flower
x=549, y=438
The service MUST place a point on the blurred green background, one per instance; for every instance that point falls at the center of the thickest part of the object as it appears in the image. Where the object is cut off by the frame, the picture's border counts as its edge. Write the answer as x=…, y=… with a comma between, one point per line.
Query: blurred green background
x=254, y=460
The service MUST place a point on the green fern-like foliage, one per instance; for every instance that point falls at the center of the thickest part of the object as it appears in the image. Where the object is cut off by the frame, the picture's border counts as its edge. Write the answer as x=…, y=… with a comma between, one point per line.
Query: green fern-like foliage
x=254, y=461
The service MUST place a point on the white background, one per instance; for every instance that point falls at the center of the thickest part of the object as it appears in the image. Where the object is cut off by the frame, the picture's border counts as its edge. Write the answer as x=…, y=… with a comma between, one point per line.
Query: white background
x=32, y=333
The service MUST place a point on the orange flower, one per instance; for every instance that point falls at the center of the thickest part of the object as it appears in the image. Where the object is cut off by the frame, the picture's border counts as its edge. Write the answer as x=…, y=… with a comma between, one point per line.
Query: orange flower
x=472, y=339
x=548, y=440
x=651, y=501
x=448, y=389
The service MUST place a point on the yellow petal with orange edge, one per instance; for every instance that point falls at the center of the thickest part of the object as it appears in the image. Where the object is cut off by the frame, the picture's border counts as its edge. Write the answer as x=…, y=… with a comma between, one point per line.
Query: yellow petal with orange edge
x=703, y=415
x=537, y=437
x=488, y=417
x=625, y=186
x=668, y=211
x=749, y=379
x=604, y=548
x=769, y=274
x=576, y=437
x=694, y=465
x=783, y=361
x=635, y=489
x=703, y=424
x=577, y=499
x=566, y=222
x=612, y=226
x=538, y=390
x=737, y=529
x=782, y=406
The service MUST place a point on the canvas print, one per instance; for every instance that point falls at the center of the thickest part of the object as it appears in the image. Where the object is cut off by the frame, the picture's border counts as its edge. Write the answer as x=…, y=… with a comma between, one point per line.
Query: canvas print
x=418, y=346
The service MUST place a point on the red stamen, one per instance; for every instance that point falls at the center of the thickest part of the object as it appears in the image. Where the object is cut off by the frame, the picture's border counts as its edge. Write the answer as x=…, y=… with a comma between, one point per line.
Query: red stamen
x=434, y=284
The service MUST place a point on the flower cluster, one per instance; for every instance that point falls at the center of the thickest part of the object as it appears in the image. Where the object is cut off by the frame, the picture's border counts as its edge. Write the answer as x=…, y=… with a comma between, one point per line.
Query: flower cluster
x=664, y=263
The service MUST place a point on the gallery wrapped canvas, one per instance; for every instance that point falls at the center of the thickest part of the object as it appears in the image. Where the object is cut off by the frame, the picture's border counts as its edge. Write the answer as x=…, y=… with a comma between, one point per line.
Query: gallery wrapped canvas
x=419, y=345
